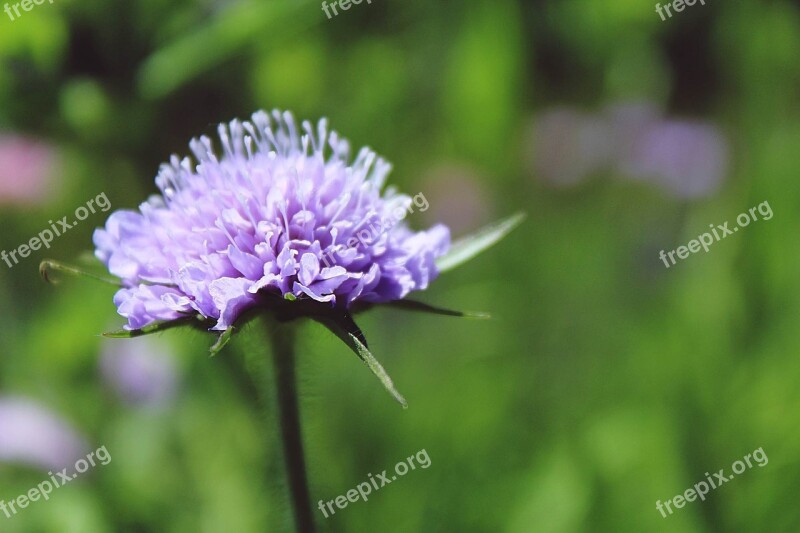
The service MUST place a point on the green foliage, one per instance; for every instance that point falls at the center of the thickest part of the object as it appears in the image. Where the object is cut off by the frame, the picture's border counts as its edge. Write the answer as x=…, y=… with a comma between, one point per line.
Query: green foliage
x=604, y=382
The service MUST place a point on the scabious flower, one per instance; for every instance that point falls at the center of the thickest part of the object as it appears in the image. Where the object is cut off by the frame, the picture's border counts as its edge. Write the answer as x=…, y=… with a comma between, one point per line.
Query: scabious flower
x=282, y=223
x=258, y=219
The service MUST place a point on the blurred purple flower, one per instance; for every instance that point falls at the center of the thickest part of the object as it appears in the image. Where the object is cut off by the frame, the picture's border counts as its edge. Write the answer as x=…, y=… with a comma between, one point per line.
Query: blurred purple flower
x=27, y=167
x=31, y=434
x=688, y=159
x=259, y=219
x=140, y=371
x=627, y=121
x=456, y=198
x=568, y=146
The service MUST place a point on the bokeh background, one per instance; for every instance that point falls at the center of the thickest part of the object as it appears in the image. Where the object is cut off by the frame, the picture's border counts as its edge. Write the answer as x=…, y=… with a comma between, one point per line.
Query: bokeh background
x=604, y=382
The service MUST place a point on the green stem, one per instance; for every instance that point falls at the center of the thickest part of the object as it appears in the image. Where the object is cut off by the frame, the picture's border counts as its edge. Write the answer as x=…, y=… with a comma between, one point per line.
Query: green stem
x=283, y=357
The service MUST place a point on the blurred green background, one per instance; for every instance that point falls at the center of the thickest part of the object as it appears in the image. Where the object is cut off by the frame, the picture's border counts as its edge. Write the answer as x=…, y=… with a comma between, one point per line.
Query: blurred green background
x=604, y=382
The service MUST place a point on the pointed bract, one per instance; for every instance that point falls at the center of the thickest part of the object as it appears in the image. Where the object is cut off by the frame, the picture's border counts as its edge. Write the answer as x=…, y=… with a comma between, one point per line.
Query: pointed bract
x=222, y=340
x=350, y=334
x=468, y=247
x=412, y=305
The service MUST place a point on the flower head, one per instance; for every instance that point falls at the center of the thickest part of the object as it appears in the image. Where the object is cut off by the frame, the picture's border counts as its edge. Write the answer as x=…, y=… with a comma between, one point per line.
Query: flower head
x=276, y=213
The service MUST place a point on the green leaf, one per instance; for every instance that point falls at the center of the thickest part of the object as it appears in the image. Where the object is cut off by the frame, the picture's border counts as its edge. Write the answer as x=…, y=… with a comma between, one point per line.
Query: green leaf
x=221, y=341
x=222, y=37
x=345, y=328
x=149, y=329
x=412, y=305
x=468, y=247
x=373, y=364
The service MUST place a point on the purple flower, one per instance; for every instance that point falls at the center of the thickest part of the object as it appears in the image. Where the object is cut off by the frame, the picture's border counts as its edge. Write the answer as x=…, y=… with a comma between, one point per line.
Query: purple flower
x=689, y=159
x=33, y=435
x=257, y=220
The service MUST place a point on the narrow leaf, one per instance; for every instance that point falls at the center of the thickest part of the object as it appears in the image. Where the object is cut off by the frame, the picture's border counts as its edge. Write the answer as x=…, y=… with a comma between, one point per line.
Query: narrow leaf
x=221, y=341
x=412, y=305
x=343, y=329
x=468, y=247
x=48, y=266
x=214, y=42
x=378, y=370
x=147, y=330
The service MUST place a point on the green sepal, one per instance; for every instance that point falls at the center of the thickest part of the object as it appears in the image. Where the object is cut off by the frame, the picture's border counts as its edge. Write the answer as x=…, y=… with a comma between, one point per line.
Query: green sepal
x=345, y=328
x=468, y=247
x=155, y=327
x=413, y=305
x=222, y=340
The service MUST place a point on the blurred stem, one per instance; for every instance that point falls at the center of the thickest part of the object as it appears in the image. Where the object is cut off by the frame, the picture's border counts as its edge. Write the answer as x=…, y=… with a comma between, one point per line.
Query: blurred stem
x=283, y=357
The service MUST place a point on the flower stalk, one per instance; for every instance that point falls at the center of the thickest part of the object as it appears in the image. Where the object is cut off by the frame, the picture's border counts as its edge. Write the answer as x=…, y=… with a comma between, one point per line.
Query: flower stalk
x=250, y=231
x=283, y=358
